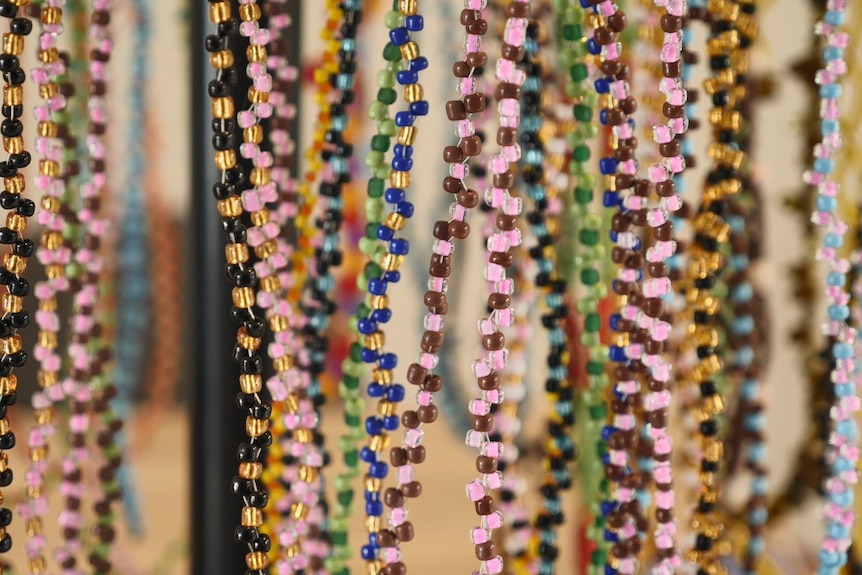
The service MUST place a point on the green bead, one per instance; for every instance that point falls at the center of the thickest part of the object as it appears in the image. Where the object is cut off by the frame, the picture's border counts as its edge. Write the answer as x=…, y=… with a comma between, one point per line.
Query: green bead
x=353, y=421
x=361, y=284
x=356, y=352
x=579, y=72
x=364, y=310
x=589, y=237
x=392, y=19
x=351, y=458
x=351, y=381
x=379, y=143
x=376, y=110
x=383, y=172
x=581, y=153
x=354, y=406
x=332, y=565
x=388, y=127
x=591, y=99
x=343, y=482
x=387, y=95
x=338, y=537
x=589, y=276
x=583, y=196
x=385, y=79
x=571, y=33
x=391, y=52
x=374, y=209
x=593, y=322
x=376, y=187
x=371, y=231
x=595, y=368
x=587, y=181
x=583, y=113
x=598, y=557
x=366, y=245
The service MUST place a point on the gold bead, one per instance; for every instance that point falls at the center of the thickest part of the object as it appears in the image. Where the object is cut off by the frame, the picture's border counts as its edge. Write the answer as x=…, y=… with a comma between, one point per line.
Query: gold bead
x=266, y=249
x=249, y=383
x=373, y=484
x=250, y=470
x=279, y=323
x=270, y=284
x=380, y=442
x=283, y=363
x=391, y=262
x=375, y=341
x=372, y=524
x=256, y=427
x=303, y=435
x=409, y=51
x=249, y=12
x=222, y=60
x=4, y=426
x=399, y=180
x=379, y=301
x=293, y=551
x=230, y=207
x=251, y=517
x=373, y=567
x=407, y=135
x=55, y=271
x=259, y=177
x=13, y=145
x=245, y=341
x=8, y=384
x=222, y=108
x=382, y=376
x=48, y=90
x=291, y=404
x=15, y=264
x=243, y=297
x=49, y=168
x=256, y=560
x=225, y=159
x=236, y=253
x=307, y=474
x=13, y=44
x=408, y=7
x=253, y=134
x=48, y=304
x=37, y=565
x=385, y=408
x=13, y=95
x=220, y=12
x=413, y=93
x=256, y=53
x=256, y=96
x=396, y=221
x=299, y=511
x=48, y=56
x=260, y=218
x=51, y=15
x=15, y=184
x=47, y=129
x=10, y=345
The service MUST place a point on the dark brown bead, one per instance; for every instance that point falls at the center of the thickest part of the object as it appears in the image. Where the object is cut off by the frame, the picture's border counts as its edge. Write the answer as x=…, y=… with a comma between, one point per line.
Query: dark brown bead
x=620, y=222
x=97, y=88
x=427, y=413
x=478, y=27
x=474, y=103
x=432, y=341
x=663, y=515
x=690, y=58
x=505, y=259
x=604, y=35
x=490, y=381
x=494, y=341
x=398, y=456
x=653, y=347
x=452, y=155
x=692, y=95
x=459, y=229
x=486, y=465
x=665, y=189
x=386, y=538
x=628, y=105
x=639, y=217
x=484, y=506
x=467, y=15
x=693, y=124
x=504, y=180
x=507, y=90
x=518, y=10
x=672, y=69
x=439, y=270
x=397, y=568
x=433, y=383
x=613, y=472
x=485, y=551
x=416, y=374
x=455, y=110
x=499, y=301
x=416, y=454
x=642, y=188
x=671, y=23
x=634, y=260
x=624, y=181
x=507, y=136
x=657, y=269
x=404, y=532
x=618, y=254
x=653, y=306
x=461, y=69
x=672, y=111
x=506, y=222
x=452, y=185
x=483, y=422
x=670, y=149
x=412, y=490
x=623, y=153
x=615, y=117
x=624, y=73
x=471, y=146
x=611, y=67
x=436, y=302
x=619, y=406
x=618, y=21
x=658, y=419
x=664, y=232
x=616, y=442
x=513, y=53
x=477, y=60
x=410, y=419
x=468, y=198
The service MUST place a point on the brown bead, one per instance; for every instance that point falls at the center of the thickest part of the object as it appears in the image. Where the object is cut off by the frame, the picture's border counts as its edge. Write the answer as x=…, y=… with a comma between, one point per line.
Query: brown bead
x=471, y=146
x=657, y=269
x=432, y=341
x=397, y=568
x=505, y=259
x=485, y=551
x=619, y=406
x=409, y=419
x=474, y=103
x=658, y=419
x=494, y=341
x=663, y=515
x=436, y=302
x=513, y=53
x=642, y=188
x=664, y=232
x=618, y=21
x=459, y=229
x=468, y=198
x=398, y=456
x=499, y=301
x=618, y=254
x=484, y=506
x=490, y=381
x=620, y=222
x=416, y=454
x=404, y=532
x=671, y=23
x=634, y=260
x=518, y=10
x=624, y=181
x=97, y=88
x=615, y=117
x=624, y=73
x=507, y=136
x=412, y=490
x=671, y=69
x=671, y=111
x=629, y=105
x=461, y=69
x=507, y=90
x=467, y=15
x=692, y=96
x=477, y=60
x=478, y=27
x=386, y=538
x=452, y=155
x=654, y=347
x=483, y=422
x=452, y=185
x=439, y=270
x=455, y=110
x=393, y=497
x=486, y=465
x=670, y=149
x=506, y=223
x=611, y=67
x=504, y=180
x=623, y=153
x=427, y=413
x=604, y=35
x=613, y=472
x=693, y=124
x=690, y=58
x=665, y=189
x=653, y=306
x=616, y=442
x=433, y=383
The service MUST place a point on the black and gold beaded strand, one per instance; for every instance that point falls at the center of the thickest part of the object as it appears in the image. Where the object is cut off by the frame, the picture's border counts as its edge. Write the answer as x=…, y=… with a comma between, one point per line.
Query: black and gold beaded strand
x=246, y=483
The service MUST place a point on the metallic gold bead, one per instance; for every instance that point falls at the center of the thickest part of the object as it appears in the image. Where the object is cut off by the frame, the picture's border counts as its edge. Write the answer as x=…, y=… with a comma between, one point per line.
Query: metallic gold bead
x=253, y=134
x=373, y=484
x=251, y=517
x=391, y=262
x=222, y=60
x=413, y=93
x=270, y=284
x=48, y=56
x=256, y=53
x=13, y=145
x=225, y=159
x=44, y=416
x=266, y=249
x=49, y=168
x=256, y=427
x=409, y=51
x=382, y=376
x=236, y=253
x=37, y=565
x=13, y=44
x=408, y=7
x=375, y=341
x=372, y=524
x=230, y=207
x=714, y=450
x=283, y=363
x=303, y=435
x=51, y=15
x=249, y=383
x=8, y=384
x=291, y=404
x=223, y=108
x=293, y=551
x=250, y=470
x=395, y=221
x=713, y=404
x=308, y=474
x=48, y=304
x=256, y=560
x=279, y=323
x=379, y=301
x=15, y=184
x=260, y=218
x=243, y=297
x=249, y=12
x=55, y=271
x=220, y=12
x=48, y=90
x=51, y=204
x=385, y=408
x=4, y=426
x=10, y=345
x=13, y=95
x=373, y=567
x=407, y=135
x=299, y=511
x=380, y=442
x=256, y=96
x=259, y=177
x=245, y=341
x=15, y=264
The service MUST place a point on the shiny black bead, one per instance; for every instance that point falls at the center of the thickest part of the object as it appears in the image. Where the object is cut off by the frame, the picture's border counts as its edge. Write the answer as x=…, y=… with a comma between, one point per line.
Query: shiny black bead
x=213, y=43
x=224, y=141
x=6, y=543
x=258, y=499
x=21, y=26
x=230, y=77
x=223, y=191
x=261, y=411
x=7, y=9
x=20, y=288
x=223, y=126
x=24, y=248
x=7, y=441
x=262, y=544
x=15, y=77
x=251, y=365
x=217, y=89
x=26, y=208
x=246, y=400
x=235, y=175
x=245, y=278
x=247, y=452
x=6, y=329
x=228, y=28
x=12, y=111
x=240, y=315
x=19, y=320
x=6, y=478
x=18, y=359
x=245, y=534
x=21, y=160
x=5, y=517
x=8, y=62
x=255, y=328
x=264, y=440
x=7, y=170
x=9, y=201
x=241, y=486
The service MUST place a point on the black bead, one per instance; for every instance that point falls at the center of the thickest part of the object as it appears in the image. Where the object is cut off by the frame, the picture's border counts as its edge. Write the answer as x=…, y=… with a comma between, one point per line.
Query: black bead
x=222, y=192
x=213, y=43
x=6, y=543
x=223, y=126
x=255, y=328
x=21, y=160
x=20, y=288
x=241, y=486
x=264, y=440
x=709, y=427
x=230, y=77
x=262, y=544
x=20, y=320
x=224, y=141
x=15, y=77
x=9, y=201
x=708, y=388
x=5, y=517
x=217, y=89
x=7, y=9
x=228, y=28
x=261, y=411
x=8, y=62
x=703, y=543
x=235, y=175
x=12, y=111
x=246, y=400
x=247, y=452
x=704, y=351
x=245, y=534
x=24, y=248
x=21, y=26
x=18, y=359
x=258, y=499
x=7, y=170
x=26, y=208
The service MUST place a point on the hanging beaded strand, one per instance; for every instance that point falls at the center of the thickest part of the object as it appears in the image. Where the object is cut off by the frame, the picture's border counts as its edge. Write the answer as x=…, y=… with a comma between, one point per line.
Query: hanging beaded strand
x=55, y=254
x=420, y=373
x=387, y=254
x=230, y=206
x=843, y=449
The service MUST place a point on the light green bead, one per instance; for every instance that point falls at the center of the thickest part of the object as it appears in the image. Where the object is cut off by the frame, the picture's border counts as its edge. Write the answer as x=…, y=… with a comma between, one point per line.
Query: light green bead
x=383, y=172
x=388, y=127
x=338, y=524
x=377, y=110
x=341, y=482
x=380, y=253
x=332, y=565
x=588, y=181
x=591, y=99
x=575, y=89
x=374, y=159
x=362, y=284
x=354, y=406
x=352, y=322
x=392, y=19
x=358, y=433
x=366, y=246
x=578, y=210
x=593, y=222
x=588, y=130
x=385, y=79
x=567, y=58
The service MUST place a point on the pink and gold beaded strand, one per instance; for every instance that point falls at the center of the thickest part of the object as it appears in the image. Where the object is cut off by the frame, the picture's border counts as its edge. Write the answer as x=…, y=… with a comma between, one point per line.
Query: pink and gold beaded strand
x=404, y=458
x=55, y=255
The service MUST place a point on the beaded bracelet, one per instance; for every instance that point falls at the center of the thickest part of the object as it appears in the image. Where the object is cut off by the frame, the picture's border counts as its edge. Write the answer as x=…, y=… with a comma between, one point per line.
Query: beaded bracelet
x=420, y=373
x=732, y=31
x=55, y=254
x=386, y=250
x=843, y=450
x=249, y=334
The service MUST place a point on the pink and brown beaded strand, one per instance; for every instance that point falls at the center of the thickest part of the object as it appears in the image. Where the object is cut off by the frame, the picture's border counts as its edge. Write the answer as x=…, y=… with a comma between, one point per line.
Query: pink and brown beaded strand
x=55, y=255
x=420, y=373
x=507, y=235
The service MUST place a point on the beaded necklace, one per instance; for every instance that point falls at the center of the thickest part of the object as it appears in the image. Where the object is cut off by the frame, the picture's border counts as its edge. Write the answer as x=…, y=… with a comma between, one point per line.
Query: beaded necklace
x=842, y=452
x=386, y=252
x=230, y=206
x=420, y=373
x=55, y=254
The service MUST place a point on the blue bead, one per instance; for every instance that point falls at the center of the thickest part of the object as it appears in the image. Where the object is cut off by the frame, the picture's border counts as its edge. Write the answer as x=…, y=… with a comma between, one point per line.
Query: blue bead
x=368, y=553
x=419, y=108
x=826, y=204
x=829, y=127
x=403, y=151
x=392, y=277
x=381, y=315
x=614, y=321
x=593, y=47
x=603, y=85
x=399, y=247
x=401, y=164
x=834, y=17
x=585, y=3
x=388, y=360
x=832, y=53
x=373, y=426
x=394, y=195
x=414, y=23
x=613, y=235
x=608, y=166
x=374, y=509
x=368, y=355
x=407, y=77
x=366, y=326
x=607, y=431
x=611, y=536
x=607, y=507
x=847, y=428
x=371, y=496
x=377, y=286
x=833, y=241
x=378, y=469
x=842, y=351
x=610, y=199
x=405, y=209
x=399, y=36
x=376, y=390
x=403, y=119
x=390, y=422
x=367, y=454
x=372, y=537
x=603, y=117
x=419, y=64
x=610, y=570
x=385, y=233
x=824, y=165
x=396, y=393
x=617, y=353
x=831, y=90
x=836, y=279
x=838, y=312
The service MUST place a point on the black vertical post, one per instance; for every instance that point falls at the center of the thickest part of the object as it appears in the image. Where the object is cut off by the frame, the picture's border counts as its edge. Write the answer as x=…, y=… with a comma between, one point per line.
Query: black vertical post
x=217, y=424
